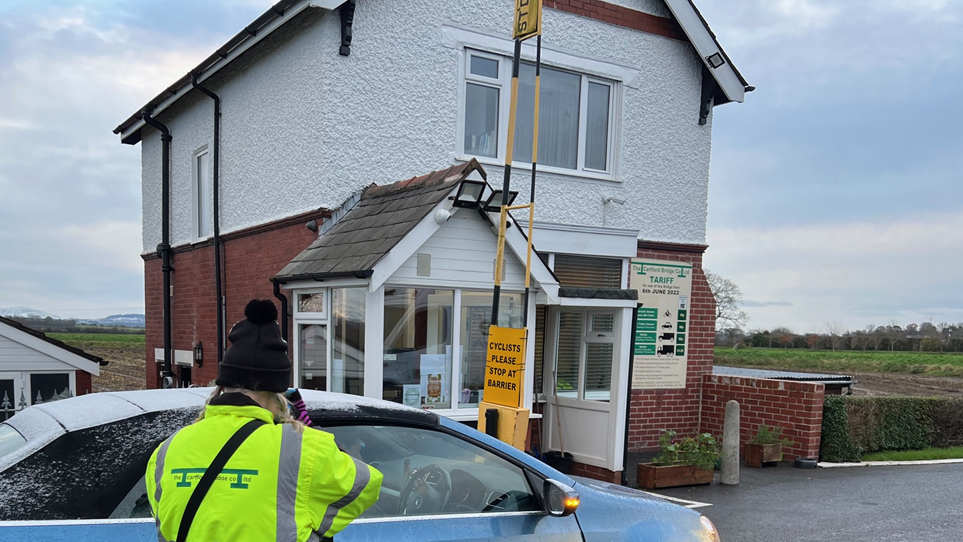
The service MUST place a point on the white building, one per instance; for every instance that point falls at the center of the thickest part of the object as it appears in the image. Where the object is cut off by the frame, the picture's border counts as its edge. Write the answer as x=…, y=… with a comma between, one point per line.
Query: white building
x=321, y=98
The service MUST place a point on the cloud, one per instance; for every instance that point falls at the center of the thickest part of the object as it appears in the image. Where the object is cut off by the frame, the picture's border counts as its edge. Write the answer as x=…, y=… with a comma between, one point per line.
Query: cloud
x=69, y=191
x=859, y=273
x=766, y=304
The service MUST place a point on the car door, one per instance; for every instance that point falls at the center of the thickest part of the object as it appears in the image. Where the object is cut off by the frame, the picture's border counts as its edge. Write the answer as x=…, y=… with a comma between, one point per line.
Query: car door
x=440, y=485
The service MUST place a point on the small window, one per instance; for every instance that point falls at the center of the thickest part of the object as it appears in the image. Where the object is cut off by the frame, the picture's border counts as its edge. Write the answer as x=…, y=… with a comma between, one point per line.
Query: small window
x=311, y=302
x=45, y=388
x=481, y=120
x=485, y=67
x=422, y=467
x=203, y=196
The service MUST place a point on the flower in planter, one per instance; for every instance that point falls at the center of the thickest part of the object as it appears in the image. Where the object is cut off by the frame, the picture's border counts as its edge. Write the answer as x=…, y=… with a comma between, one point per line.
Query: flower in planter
x=769, y=435
x=700, y=451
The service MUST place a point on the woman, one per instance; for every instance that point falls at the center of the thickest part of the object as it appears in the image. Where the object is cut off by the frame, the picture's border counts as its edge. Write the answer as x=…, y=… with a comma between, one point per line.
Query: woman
x=283, y=482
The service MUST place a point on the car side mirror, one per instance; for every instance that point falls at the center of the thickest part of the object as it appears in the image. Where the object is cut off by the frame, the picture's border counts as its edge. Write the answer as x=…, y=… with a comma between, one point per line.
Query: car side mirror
x=560, y=499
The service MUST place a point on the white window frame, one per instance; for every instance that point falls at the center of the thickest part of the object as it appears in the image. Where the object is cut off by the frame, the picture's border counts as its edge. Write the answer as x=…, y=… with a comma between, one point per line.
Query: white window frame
x=588, y=337
x=375, y=371
x=504, y=104
x=195, y=193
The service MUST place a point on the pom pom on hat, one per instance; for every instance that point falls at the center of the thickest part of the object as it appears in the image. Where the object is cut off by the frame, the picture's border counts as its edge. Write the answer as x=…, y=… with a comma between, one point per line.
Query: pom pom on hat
x=261, y=311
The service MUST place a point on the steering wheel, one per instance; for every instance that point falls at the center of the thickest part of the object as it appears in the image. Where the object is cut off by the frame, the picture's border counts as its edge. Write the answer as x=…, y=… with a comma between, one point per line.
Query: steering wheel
x=426, y=491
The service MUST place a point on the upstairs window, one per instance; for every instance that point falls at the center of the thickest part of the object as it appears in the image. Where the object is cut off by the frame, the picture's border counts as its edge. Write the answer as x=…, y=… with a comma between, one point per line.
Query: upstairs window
x=203, y=196
x=576, y=116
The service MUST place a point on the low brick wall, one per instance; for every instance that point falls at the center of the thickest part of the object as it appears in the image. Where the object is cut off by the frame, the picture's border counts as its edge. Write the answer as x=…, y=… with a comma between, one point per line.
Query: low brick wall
x=797, y=407
x=596, y=473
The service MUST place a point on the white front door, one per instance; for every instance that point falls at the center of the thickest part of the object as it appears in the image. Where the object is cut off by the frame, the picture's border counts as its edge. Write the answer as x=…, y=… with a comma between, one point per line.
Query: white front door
x=584, y=367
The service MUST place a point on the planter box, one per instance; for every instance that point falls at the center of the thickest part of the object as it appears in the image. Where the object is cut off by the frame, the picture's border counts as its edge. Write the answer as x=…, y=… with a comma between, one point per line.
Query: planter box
x=653, y=477
x=757, y=454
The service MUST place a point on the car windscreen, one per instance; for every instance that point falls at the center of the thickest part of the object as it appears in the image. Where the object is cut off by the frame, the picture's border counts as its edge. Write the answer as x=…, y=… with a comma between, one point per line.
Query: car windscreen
x=10, y=440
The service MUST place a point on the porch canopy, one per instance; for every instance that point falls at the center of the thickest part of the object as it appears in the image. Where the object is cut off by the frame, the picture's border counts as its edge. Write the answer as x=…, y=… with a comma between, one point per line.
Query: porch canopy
x=402, y=275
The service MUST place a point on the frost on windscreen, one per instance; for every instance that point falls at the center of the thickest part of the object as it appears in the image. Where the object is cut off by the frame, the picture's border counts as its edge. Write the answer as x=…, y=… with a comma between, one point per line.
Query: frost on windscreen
x=85, y=474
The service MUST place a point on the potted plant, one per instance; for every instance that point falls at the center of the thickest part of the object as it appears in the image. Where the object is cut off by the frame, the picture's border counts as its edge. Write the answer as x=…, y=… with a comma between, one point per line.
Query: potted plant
x=683, y=461
x=765, y=446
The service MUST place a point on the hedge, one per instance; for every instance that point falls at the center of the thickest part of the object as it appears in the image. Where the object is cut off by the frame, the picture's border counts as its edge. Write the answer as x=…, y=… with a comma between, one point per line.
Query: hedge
x=853, y=426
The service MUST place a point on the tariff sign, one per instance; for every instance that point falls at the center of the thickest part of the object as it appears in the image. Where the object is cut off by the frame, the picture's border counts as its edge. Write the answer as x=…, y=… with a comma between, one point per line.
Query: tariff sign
x=505, y=368
x=527, y=18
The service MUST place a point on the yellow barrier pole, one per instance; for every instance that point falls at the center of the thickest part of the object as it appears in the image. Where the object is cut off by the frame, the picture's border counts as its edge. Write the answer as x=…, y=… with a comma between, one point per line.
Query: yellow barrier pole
x=506, y=184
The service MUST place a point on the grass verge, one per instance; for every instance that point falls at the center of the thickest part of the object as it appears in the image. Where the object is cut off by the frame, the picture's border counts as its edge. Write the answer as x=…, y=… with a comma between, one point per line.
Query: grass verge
x=99, y=340
x=955, y=452
x=922, y=363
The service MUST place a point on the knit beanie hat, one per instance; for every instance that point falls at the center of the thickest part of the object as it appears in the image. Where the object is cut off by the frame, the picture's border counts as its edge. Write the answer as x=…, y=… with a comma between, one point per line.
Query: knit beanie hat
x=257, y=359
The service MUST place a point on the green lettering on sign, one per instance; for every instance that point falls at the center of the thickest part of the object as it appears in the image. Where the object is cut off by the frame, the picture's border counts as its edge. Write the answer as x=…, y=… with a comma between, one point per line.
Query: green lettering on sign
x=680, y=338
x=681, y=327
x=682, y=314
x=641, y=338
x=648, y=313
x=680, y=350
x=645, y=350
x=645, y=325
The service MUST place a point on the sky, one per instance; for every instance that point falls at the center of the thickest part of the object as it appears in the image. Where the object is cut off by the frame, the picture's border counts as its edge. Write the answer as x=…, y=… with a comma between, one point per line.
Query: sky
x=835, y=189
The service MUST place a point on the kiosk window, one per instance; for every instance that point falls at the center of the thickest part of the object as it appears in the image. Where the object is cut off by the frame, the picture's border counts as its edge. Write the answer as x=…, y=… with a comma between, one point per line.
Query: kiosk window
x=417, y=347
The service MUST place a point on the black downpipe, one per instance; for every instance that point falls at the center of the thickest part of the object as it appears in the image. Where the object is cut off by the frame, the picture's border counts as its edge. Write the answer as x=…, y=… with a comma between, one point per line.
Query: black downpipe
x=218, y=291
x=164, y=249
x=284, y=308
x=628, y=401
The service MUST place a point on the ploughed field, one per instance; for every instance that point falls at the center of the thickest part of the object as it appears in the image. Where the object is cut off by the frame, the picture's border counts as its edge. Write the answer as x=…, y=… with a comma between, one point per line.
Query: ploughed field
x=878, y=373
x=125, y=352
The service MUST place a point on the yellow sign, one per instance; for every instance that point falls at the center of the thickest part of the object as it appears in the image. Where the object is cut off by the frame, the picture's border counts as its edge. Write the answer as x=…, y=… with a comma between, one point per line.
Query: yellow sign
x=505, y=368
x=527, y=18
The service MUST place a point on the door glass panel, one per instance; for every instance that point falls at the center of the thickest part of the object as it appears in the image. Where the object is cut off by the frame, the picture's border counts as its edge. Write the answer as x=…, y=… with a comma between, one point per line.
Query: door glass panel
x=598, y=371
x=602, y=323
x=48, y=387
x=313, y=356
x=569, y=353
x=417, y=347
x=476, y=317
x=347, y=356
x=428, y=472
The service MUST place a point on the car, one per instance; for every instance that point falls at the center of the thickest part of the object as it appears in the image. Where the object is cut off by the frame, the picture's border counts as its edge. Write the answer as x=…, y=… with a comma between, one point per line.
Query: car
x=74, y=470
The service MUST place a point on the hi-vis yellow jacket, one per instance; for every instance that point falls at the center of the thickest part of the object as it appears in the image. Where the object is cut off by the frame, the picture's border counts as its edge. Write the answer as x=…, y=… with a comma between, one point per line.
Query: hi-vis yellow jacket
x=279, y=485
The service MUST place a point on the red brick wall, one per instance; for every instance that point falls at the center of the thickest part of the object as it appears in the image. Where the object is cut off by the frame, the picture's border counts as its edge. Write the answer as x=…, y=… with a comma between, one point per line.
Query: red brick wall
x=655, y=411
x=82, y=379
x=250, y=259
x=596, y=473
x=620, y=16
x=797, y=407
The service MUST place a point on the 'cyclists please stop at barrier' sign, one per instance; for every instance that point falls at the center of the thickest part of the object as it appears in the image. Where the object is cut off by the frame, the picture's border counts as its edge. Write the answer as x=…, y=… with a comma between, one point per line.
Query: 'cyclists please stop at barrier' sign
x=505, y=366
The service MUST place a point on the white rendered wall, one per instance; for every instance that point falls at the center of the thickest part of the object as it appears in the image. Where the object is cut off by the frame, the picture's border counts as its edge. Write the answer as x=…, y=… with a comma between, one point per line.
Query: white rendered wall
x=304, y=128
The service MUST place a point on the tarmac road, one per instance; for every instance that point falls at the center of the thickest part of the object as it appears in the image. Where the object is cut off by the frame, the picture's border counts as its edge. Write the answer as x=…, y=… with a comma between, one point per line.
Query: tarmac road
x=860, y=504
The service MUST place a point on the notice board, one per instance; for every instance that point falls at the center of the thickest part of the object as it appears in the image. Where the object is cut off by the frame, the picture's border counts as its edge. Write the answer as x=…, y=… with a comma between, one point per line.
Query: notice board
x=505, y=366
x=659, y=352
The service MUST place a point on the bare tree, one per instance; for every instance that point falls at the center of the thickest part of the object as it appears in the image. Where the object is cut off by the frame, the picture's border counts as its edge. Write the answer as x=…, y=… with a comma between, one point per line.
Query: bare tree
x=728, y=298
x=835, y=331
x=893, y=333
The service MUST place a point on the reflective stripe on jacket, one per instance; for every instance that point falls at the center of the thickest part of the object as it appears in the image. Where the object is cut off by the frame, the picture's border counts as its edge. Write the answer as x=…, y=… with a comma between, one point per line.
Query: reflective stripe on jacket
x=279, y=485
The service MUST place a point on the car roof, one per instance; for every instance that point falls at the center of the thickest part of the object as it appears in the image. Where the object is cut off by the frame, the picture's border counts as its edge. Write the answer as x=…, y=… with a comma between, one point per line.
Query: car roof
x=95, y=409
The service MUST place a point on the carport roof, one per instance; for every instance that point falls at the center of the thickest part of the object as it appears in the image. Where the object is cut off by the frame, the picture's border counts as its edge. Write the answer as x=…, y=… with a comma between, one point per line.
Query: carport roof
x=59, y=344
x=782, y=375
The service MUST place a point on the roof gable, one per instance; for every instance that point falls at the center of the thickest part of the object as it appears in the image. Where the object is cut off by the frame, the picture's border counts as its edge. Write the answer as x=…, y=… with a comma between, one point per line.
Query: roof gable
x=35, y=340
x=377, y=223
